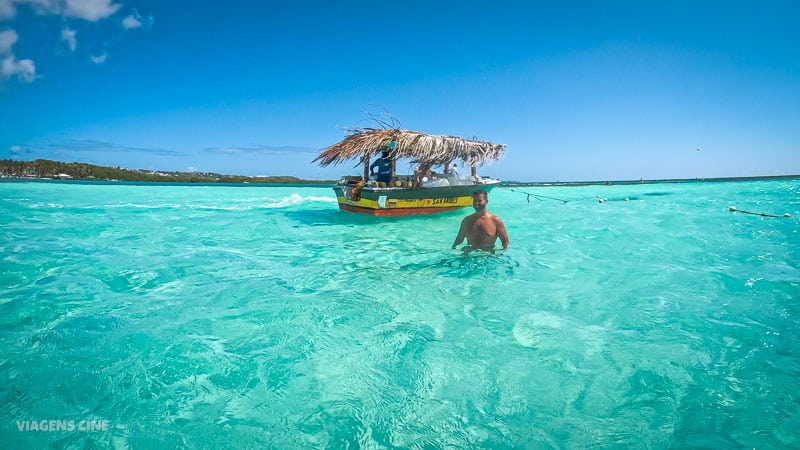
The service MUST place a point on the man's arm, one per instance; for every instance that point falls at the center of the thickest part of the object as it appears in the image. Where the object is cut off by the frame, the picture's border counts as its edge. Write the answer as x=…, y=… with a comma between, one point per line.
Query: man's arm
x=462, y=233
x=501, y=232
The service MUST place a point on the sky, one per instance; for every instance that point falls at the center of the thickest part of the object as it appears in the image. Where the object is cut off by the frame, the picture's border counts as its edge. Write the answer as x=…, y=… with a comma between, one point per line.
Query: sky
x=577, y=90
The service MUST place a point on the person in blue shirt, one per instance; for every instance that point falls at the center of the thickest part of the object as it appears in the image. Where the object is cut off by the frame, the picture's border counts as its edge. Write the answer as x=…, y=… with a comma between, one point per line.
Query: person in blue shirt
x=383, y=166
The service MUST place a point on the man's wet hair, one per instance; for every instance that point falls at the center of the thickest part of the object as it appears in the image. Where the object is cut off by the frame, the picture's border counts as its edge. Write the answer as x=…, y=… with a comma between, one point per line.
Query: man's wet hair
x=481, y=192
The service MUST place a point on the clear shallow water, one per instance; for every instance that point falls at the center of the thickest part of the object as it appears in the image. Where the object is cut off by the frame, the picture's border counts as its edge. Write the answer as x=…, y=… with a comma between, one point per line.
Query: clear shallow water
x=213, y=317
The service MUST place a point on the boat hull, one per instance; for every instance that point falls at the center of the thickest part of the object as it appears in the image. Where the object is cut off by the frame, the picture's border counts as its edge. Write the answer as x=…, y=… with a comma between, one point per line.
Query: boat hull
x=407, y=201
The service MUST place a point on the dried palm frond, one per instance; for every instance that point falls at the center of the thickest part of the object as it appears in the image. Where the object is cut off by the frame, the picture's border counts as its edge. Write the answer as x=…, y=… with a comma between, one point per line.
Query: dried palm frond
x=363, y=143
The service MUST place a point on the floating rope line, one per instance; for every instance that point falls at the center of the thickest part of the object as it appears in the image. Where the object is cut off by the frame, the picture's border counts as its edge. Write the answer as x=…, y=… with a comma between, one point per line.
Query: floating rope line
x=733, y=209
x=537, y=197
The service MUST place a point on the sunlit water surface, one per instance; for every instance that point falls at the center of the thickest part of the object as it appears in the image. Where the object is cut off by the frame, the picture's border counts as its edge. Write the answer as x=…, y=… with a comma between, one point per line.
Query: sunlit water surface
x=263, y=317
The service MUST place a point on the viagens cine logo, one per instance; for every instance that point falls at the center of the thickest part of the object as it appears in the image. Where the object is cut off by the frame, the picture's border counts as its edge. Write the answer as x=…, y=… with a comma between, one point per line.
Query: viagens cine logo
x=91, y=425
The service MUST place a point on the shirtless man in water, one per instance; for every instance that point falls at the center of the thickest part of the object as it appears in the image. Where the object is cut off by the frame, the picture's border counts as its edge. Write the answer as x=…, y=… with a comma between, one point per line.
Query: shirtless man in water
x=482, y=228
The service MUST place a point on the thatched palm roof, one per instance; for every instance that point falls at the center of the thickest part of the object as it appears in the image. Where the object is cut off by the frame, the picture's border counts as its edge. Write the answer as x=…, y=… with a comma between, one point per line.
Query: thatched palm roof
x=421, y=147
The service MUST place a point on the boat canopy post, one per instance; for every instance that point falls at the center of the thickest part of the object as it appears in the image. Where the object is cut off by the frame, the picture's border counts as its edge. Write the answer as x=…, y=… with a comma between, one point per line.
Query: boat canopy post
x=366, y=167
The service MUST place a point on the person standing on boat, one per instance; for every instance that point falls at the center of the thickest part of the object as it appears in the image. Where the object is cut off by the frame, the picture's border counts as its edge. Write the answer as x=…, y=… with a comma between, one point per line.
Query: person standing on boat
x=384, y=167
x=481, y=228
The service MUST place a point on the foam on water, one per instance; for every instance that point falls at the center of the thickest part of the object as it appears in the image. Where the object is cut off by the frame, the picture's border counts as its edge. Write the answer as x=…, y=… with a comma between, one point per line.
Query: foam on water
x=204, y=316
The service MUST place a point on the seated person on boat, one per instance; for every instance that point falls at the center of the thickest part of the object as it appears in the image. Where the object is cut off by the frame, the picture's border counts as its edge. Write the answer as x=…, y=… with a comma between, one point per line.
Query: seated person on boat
x=423, y=173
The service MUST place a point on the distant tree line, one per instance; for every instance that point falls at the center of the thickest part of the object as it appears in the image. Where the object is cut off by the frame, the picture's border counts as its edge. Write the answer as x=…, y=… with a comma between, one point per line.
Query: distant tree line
x=45, y=168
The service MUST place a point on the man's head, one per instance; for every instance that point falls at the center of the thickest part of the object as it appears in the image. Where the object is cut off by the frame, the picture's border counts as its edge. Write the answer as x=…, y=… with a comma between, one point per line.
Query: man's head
x=479, y=200
x=385, y=154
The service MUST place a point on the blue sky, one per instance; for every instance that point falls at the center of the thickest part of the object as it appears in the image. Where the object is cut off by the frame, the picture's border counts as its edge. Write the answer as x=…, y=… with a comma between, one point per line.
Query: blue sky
x=576, y=90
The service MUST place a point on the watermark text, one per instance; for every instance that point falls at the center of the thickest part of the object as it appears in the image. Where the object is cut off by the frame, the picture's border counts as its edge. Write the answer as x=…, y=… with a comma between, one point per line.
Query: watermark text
x=90, y=425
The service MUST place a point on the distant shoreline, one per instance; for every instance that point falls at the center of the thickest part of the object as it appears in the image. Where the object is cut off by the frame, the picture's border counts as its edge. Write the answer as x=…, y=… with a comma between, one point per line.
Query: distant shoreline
x=305, y=183
x=45, y=169
x=643, y=181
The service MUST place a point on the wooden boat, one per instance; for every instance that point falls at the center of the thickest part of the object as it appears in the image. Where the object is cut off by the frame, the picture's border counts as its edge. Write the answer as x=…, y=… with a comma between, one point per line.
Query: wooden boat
x=404, y=195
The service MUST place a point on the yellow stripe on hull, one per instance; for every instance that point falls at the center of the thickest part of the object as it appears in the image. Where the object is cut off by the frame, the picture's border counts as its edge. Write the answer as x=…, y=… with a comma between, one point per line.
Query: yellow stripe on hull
x=452, y=202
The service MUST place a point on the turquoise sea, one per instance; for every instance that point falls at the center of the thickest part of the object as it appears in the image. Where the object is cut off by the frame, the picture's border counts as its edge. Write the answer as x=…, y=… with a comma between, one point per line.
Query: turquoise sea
x=151, y=316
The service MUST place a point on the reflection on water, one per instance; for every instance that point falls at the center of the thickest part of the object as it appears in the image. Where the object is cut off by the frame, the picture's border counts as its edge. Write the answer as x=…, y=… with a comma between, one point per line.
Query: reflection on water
x=463, y=264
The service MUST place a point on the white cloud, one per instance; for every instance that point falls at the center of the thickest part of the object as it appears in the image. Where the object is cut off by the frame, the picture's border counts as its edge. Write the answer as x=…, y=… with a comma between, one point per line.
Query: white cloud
x=135, y=20
x=91, y=10
x=262, y=150
x=99, y=59
x=7, y=9
x=18, y=151
x=24, y=69
x=131, y=21
x=43, y=6
x=68, y=36
x=7, y=40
